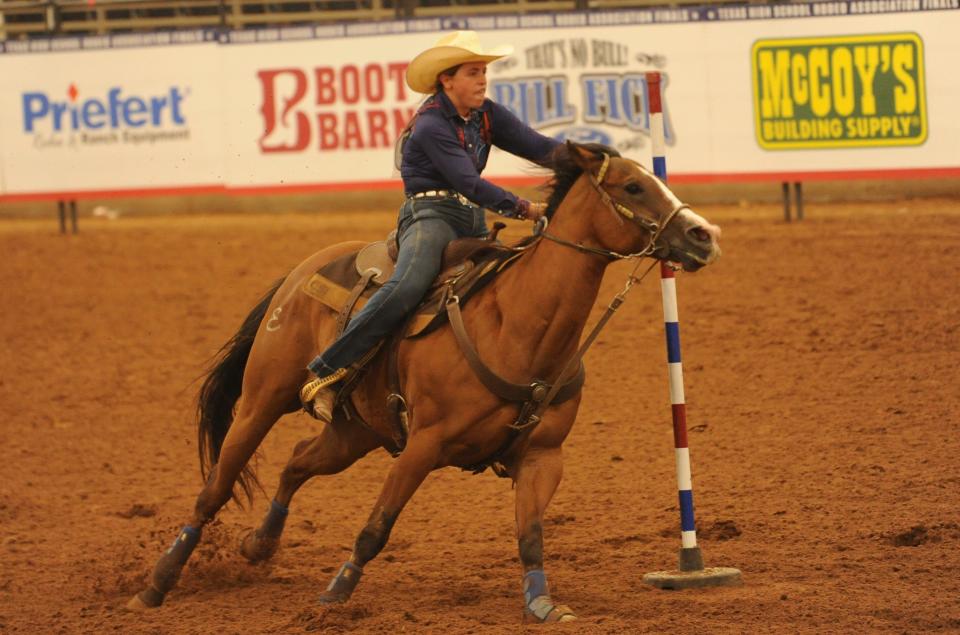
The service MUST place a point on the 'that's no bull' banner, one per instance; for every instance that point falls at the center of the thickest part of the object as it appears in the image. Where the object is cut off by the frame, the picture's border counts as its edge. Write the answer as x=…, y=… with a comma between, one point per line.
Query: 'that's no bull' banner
x=820, y=90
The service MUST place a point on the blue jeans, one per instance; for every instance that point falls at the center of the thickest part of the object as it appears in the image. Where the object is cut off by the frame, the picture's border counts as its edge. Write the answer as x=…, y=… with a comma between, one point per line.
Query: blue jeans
x=425, y=228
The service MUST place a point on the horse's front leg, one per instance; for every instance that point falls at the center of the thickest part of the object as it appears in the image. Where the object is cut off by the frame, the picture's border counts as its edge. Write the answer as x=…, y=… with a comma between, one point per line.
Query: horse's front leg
x=538, y=475
x=408, y=472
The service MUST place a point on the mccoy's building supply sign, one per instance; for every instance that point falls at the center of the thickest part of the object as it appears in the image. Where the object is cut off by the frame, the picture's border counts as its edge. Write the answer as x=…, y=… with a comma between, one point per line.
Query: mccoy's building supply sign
x=839, y=92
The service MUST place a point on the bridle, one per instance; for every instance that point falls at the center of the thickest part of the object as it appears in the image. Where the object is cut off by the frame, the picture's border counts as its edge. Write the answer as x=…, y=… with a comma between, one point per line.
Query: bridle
x=655, y=229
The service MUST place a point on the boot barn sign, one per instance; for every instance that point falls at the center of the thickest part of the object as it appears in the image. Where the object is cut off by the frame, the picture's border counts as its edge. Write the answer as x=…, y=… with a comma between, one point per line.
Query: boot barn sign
x=822, y=90
x=301, y=113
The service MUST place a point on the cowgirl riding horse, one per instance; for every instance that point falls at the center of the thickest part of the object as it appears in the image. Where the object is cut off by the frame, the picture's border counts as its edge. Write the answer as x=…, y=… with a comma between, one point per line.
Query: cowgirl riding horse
x=443, y=151
x=525, y=324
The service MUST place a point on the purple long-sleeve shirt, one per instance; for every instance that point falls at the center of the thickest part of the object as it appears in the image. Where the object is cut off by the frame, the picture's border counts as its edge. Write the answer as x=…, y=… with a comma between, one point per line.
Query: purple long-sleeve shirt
x=434, y=158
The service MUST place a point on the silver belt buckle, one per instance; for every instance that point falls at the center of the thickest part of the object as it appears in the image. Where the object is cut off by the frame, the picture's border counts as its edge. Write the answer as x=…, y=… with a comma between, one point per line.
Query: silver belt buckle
x=444, y=194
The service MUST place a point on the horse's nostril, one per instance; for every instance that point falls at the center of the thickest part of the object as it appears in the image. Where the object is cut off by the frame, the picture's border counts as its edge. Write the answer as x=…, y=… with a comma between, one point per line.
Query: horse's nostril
x=700, y=234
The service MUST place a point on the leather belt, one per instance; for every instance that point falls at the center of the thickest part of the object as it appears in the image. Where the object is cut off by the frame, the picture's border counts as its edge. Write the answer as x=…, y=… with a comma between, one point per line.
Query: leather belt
x=442, y=194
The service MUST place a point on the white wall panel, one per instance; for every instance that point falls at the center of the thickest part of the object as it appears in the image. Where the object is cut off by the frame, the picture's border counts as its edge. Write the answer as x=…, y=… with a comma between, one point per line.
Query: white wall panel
x=319, y=107
x=141, y=118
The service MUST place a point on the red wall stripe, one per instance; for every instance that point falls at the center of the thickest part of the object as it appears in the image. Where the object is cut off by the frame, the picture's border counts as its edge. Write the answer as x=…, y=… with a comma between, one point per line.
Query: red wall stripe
x=294, y=188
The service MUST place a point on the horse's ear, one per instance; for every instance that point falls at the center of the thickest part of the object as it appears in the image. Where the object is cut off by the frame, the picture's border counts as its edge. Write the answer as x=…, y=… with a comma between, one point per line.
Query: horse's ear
x=587, y=159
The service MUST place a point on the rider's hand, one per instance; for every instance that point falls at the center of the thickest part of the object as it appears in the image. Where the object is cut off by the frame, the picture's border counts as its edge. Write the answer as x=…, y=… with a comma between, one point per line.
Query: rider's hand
x=533, y=211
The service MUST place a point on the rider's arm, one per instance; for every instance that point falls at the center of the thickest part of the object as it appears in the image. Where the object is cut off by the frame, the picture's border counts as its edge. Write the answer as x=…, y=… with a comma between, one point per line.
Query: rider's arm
x=435, y=136
x=518, y=138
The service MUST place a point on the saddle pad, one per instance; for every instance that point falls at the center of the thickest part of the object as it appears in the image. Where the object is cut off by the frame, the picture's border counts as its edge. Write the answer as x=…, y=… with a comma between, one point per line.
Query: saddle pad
x=335, y=296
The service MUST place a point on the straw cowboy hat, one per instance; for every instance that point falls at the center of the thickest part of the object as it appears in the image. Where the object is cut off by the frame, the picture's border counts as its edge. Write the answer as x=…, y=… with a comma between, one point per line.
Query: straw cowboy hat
x=453, y=49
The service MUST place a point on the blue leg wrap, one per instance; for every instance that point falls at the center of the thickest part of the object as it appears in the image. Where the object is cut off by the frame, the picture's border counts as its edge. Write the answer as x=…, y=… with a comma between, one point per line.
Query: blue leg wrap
x=539, y=605
x=342, y=585
x=167, y=570
x=276, y=517
x=186, y=540
x=534, y=585
x=349, y=574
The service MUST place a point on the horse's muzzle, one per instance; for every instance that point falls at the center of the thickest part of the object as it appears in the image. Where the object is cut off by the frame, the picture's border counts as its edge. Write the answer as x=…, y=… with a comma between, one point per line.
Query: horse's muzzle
x=693, y=242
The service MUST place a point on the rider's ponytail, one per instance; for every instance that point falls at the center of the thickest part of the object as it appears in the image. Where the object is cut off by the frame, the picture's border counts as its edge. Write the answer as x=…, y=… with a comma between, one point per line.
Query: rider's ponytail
x=407, y=131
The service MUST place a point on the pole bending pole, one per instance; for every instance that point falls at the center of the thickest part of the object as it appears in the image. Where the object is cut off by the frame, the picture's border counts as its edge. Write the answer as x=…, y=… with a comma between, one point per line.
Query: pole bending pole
x=691, y=572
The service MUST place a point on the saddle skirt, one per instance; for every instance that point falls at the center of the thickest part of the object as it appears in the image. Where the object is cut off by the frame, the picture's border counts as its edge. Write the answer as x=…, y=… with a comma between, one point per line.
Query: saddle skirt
x=468, y=264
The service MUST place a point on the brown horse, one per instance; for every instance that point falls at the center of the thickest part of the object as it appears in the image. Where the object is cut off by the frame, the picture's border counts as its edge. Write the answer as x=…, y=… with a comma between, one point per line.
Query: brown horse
x=525, y=324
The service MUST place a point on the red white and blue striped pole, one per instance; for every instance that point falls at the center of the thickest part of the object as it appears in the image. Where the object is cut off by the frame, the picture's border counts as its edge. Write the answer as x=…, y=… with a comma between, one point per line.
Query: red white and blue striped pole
x=692, y=572
x=690, y=558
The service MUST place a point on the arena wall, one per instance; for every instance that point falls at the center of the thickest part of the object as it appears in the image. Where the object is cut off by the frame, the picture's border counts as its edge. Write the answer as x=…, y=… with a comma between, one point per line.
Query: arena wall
x=754, y=94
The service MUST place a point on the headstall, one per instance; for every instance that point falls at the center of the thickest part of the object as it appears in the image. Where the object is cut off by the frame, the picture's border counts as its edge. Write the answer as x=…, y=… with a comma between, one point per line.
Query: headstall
x=619, y=209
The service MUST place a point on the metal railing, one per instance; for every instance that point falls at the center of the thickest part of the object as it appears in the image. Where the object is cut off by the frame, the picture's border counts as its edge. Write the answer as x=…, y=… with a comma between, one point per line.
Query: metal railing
x=37, y=18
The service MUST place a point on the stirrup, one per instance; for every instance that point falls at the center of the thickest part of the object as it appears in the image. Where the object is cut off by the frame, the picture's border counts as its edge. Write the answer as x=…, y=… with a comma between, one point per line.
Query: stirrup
x=311, y=388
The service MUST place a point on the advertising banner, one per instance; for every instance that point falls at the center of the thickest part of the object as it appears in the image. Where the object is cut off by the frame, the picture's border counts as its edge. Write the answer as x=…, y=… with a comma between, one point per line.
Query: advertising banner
x=822, y=90
x=836, y=97
x=835, y=92
x=825, y=90
x=3, y=182
x=316, y=111
x=332, y=115
x=109, y=113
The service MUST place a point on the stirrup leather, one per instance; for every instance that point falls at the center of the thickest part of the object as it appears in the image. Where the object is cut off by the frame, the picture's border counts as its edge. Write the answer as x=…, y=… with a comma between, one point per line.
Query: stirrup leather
x=311, y=388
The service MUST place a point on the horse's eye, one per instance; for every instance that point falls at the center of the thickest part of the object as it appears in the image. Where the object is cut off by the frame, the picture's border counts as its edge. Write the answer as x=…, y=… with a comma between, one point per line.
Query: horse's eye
x=633, y=188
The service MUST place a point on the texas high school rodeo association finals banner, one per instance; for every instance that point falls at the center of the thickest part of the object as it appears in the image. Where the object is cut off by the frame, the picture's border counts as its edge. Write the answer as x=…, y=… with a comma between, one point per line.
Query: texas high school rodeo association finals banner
x=841, y=89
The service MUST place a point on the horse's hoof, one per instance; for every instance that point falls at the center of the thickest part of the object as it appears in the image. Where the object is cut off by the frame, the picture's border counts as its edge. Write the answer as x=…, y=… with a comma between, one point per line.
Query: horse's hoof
x=256, y=548
x=542, y=611
x=136, y=604
x=341, y=587
x=333, y=598
x=145, y=600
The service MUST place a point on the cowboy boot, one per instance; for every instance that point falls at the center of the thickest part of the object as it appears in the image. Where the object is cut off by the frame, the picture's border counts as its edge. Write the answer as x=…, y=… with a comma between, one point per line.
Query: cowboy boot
x=318, y=398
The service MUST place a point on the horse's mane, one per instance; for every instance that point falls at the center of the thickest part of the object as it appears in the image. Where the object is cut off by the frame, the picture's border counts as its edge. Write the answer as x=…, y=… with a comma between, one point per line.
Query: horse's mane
x=566, y=171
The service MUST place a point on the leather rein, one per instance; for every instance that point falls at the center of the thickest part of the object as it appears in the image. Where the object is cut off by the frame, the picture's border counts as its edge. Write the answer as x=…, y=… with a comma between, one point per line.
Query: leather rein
x=537, y=396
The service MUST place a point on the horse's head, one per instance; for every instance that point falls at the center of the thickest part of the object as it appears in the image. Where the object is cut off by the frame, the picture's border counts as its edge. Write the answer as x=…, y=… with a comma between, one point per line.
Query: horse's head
x=635, y=212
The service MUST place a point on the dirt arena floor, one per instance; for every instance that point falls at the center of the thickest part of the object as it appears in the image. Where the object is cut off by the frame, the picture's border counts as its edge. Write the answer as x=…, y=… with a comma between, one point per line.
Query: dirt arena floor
x=821, y=376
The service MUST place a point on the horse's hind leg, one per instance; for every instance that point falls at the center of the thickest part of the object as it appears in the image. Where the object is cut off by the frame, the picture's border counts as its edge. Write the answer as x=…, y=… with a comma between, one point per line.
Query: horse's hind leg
x=406, y=475
x=335, y=449
x=247, y=431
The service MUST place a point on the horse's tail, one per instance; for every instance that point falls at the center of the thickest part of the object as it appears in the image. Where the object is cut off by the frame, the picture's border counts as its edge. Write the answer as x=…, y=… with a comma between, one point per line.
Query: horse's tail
x=220, y=392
